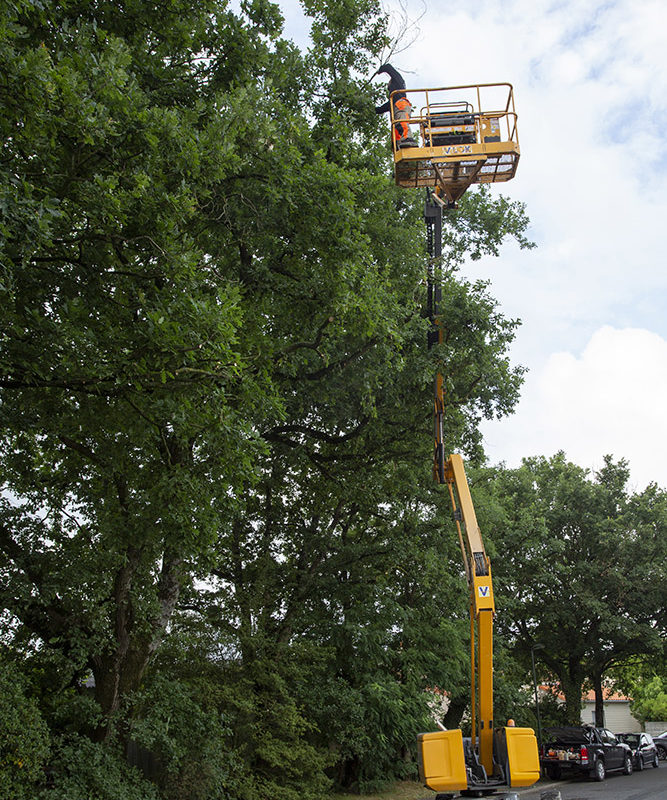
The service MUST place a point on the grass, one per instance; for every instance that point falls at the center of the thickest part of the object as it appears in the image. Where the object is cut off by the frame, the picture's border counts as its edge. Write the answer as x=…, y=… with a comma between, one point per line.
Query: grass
x=403, y=790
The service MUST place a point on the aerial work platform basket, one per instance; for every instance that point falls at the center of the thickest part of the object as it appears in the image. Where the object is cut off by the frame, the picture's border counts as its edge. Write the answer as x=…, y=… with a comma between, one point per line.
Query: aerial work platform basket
x=467, y=134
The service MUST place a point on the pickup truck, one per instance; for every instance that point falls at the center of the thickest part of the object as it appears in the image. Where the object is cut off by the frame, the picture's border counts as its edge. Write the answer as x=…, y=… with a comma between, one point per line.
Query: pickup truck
x=584, y=750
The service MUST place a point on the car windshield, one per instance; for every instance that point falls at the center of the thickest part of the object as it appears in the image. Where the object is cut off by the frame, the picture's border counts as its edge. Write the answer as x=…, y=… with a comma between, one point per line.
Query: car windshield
x=567, y=735
x=629, y=738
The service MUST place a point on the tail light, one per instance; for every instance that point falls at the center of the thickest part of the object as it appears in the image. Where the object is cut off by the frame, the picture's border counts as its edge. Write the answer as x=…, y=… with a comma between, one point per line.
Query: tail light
x=584, y=754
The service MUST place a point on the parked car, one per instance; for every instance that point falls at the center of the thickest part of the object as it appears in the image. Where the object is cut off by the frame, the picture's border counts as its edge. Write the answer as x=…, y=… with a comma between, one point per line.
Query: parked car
x=585, y=750
x=661, y=743
x=644, y=750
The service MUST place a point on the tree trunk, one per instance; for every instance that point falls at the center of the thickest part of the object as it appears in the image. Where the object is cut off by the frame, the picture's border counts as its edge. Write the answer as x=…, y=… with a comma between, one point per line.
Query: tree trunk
x=457, y=706
x=572, y=691
x=118, y=671
x=599, y=701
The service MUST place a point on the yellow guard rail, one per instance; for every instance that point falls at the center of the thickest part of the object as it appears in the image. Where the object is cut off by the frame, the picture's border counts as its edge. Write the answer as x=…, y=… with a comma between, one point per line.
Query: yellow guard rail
x=466, y=134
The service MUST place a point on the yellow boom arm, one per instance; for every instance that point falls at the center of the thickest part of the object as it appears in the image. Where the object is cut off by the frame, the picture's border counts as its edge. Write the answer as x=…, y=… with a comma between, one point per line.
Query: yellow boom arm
x=478, y=571
x=506, y=757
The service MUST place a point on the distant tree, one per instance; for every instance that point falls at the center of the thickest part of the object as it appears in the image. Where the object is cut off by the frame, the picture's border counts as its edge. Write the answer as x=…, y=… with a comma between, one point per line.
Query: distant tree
x=635, y=587
x=644, y=680
x=649, y=701
x=573, y=553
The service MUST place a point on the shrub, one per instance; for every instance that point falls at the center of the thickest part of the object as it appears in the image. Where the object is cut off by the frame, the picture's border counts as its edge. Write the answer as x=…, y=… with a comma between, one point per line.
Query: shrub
x=86, y=770
x=24, y=738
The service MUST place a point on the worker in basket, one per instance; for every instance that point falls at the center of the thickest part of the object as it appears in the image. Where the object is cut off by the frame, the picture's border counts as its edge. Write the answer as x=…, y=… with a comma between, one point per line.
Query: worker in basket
x=402, y=107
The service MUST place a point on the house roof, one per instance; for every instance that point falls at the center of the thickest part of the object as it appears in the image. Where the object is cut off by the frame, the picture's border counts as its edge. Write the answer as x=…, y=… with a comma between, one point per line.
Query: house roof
x=608, y=695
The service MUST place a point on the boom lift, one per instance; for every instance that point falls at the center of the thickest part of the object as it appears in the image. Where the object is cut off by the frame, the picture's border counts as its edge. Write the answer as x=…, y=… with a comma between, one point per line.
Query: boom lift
x=460, y=144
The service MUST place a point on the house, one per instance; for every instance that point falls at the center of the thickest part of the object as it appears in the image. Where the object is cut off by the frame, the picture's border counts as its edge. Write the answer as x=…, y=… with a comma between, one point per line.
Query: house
x=616, y=709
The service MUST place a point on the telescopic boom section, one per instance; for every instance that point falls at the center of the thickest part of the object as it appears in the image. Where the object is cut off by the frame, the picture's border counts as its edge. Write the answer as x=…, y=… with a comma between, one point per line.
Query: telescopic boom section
x=478, y=571
x=452, y=473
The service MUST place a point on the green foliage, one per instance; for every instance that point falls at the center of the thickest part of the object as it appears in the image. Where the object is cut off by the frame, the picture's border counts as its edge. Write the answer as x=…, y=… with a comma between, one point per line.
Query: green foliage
x=485, y=225
x=85, y=770
x=274, y=731
x=208, y=729
x=513, y=695
x=573, y=553
x=179, y=733
x=215, y=394
x=649, y=700
x=24, y=738
x=552, y=711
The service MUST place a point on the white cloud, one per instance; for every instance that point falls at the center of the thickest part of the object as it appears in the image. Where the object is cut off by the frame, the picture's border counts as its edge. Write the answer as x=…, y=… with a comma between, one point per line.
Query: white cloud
x=591, y=94
x=610, y=399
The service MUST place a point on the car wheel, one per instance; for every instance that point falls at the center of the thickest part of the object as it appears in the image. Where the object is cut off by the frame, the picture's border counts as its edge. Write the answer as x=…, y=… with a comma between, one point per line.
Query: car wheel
x=640, y=763
x=599, y=771
x=627, y=766
x=662, y=753
x=553, y=773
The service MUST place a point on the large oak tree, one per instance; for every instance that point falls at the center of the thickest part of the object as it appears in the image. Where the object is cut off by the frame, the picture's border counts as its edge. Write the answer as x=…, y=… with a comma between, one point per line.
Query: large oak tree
x=212, y=362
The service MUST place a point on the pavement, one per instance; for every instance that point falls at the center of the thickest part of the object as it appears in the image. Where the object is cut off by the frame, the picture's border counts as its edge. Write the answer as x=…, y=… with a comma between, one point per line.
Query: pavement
x=530, y=791
x=538, y=788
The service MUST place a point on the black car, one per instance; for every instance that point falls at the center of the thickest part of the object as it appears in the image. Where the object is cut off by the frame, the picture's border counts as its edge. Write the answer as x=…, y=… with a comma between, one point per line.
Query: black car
x=660, y=741
x=644, y=750
x=585, y=750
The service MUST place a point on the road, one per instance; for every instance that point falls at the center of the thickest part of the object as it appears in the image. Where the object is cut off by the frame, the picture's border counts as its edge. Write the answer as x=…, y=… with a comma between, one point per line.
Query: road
x=650, y=784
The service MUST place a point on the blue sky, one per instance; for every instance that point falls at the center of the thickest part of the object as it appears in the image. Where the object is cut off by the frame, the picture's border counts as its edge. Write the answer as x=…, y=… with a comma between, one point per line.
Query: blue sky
x=590, y=81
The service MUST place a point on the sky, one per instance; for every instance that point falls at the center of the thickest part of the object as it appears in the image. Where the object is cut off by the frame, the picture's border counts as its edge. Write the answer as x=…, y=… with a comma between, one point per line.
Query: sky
x=590, y=84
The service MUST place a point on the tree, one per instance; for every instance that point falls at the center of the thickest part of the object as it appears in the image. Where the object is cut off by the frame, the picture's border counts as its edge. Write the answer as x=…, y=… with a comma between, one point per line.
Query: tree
x=126, y=394
x=305, y=559
x=572, y=570
x=212, y=367
x=635, y=588
x=650, y=700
